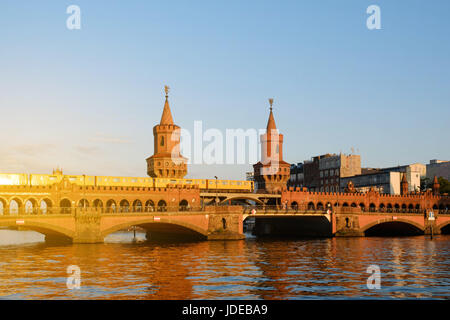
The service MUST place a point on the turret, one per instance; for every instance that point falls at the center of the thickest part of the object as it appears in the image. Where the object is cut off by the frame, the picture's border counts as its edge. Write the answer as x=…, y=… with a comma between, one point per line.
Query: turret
x=436, y=186
x=404, y=185
x=272, y=172
x=166, y=161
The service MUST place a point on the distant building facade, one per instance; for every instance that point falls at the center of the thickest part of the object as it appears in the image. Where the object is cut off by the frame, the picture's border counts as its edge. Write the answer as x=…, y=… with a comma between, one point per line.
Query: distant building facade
x=387, y=180
x=438, y=168
x=381, y=181
x=296, y=178
x=323, y=173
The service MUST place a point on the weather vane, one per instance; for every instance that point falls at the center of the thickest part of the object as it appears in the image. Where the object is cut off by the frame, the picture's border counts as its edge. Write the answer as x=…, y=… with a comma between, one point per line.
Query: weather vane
x=166, y=89
x=271, y=103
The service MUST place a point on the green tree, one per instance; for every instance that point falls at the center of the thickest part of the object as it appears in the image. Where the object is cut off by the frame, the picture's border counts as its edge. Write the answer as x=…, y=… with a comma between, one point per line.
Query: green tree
x=444, y=185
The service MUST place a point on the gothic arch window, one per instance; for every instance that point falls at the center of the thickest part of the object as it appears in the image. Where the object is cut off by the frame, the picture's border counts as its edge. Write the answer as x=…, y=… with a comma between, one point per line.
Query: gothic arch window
x=162, y=141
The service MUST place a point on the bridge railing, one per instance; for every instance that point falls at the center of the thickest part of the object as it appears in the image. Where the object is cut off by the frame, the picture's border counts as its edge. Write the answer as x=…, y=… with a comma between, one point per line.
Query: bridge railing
x=282, y=209
x=173, y=209
x=99, y=210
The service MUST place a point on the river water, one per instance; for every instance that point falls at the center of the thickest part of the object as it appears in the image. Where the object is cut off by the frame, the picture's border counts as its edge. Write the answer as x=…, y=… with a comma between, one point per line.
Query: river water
x=336, y=268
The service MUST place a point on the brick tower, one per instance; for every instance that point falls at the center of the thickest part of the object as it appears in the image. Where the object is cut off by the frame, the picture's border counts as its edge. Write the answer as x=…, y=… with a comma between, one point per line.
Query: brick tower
x=404, y=185
x=436, y=186
x=271, y=173
x=166, y=161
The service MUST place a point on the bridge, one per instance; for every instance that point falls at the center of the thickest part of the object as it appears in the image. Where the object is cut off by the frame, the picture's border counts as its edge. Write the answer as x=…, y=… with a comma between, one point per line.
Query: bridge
x=92, y=225
x=258, y=198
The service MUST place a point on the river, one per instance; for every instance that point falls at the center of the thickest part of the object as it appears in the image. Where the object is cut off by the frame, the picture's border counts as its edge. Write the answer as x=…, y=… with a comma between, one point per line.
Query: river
x=332, y=268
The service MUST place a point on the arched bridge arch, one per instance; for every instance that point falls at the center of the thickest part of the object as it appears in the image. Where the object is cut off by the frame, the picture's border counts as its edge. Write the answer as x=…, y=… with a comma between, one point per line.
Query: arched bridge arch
x=169, y=227
x=243, y=197
x=389, y=226
x=50, y=230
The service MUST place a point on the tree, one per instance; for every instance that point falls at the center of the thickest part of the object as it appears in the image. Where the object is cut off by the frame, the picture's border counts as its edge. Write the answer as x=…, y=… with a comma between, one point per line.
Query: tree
x=444, y=185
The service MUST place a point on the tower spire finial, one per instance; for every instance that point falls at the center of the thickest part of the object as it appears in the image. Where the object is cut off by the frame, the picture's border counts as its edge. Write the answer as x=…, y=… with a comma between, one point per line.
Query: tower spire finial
x=271, y=103
x=166, y=89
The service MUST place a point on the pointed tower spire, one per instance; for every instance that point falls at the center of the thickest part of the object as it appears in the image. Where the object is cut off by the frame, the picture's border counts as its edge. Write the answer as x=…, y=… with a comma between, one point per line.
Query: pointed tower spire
x=436, y=185
x=271, y=123
x=404, y=185
x=166, y=117
x=166, y=161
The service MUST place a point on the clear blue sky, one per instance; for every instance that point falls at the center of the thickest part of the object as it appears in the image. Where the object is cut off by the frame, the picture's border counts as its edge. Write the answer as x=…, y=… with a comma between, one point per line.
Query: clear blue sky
x=87, y=99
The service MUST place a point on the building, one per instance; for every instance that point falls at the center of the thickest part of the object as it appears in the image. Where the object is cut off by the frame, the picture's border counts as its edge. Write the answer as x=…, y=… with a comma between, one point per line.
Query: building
x=296, y=178
x=272, y=172
x=387, y=180
x=381, y=181
x=311, y=178
x=335, y=167
x=438, y=168
x=323, y=173
x=249, y=176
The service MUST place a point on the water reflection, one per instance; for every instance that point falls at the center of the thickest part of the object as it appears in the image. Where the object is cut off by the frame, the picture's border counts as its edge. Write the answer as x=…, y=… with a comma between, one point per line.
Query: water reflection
x=413, y=267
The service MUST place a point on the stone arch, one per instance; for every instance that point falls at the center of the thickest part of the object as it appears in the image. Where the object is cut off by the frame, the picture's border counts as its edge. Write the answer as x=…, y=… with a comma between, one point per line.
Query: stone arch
x=31, y=206
x=43, y=228
x=83, y=203
x=372, y=207
x=381, y=207
x=97, y=203
x=111, y=206
x=15, y=206
x=410, y=207
x=3, y=206
x=65, y=205
x=137, y=205
x=244, y=197
x=353, y=205
x=149, y=206
x=389, y=207
x=320, y=206
x=417, y=226
x=294, y=205
x=311, y=206
x=345, y=204
x=396, y=207
x=124, y=205
x=183, y=205
x=45, y=206
x=162, y=205
x=147, y=223
x=444, y=227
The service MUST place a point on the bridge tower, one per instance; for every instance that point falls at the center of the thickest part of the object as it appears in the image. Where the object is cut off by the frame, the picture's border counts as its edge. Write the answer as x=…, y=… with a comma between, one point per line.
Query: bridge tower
x=271, y=173
x=404, y=186
x=436, y=186
x=166, y=161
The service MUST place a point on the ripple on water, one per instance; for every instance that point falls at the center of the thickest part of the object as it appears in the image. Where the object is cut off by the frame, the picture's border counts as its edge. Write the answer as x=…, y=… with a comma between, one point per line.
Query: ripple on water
x=411, y=268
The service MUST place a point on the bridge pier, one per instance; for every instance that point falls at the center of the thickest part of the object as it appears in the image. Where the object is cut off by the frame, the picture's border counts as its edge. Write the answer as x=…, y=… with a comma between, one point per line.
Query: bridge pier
x=87, y=227
x=226, y=223
x=431, y=228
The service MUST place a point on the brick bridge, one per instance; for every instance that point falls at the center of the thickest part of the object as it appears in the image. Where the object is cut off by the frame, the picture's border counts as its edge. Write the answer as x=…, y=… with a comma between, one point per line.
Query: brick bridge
x=92, y=225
